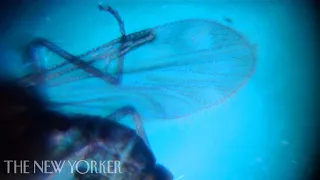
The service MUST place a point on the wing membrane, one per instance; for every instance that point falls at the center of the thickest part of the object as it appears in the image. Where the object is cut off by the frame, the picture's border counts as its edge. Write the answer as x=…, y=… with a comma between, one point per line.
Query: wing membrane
x=189, y=65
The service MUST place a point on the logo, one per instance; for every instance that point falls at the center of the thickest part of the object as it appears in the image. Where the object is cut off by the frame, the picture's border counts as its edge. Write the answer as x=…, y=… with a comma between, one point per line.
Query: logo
x=52, y=167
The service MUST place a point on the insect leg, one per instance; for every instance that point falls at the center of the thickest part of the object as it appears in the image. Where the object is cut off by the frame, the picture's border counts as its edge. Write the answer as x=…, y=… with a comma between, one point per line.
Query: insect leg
x=129, y=110
x=116, y=15
x=78, y=62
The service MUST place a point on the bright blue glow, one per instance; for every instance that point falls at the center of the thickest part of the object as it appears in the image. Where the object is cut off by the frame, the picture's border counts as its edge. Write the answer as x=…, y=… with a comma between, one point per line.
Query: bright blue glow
x=257, y=133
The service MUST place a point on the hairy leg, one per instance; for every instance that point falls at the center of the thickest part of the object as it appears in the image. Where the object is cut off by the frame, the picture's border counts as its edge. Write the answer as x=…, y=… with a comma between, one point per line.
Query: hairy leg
x=77, y=61
x=40, y=73
x=129, y=110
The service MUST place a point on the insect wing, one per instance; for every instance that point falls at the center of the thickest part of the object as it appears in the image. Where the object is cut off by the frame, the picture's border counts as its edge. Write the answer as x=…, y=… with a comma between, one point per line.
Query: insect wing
x=189, y=65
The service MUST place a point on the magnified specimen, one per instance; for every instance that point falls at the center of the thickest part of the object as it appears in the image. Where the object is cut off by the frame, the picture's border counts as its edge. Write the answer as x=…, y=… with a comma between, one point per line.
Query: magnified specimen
x=167, y=71
x=31, y=131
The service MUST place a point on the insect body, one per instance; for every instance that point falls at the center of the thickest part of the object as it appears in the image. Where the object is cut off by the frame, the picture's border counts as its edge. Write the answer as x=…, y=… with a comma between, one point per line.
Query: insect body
x=32, y=132
x=110, y=141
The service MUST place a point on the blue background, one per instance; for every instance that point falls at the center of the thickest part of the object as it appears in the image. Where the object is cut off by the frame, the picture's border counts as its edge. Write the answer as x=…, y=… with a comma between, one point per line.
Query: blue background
x=263, y=132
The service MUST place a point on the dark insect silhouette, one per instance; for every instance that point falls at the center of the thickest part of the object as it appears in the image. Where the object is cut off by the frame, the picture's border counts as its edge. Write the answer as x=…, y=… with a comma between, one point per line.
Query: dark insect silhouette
x=167, y=71
x=31, y=131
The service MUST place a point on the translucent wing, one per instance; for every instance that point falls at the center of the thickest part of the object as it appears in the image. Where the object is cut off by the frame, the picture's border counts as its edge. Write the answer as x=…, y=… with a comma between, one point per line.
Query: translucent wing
x=191, y=65
x=180, y=68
